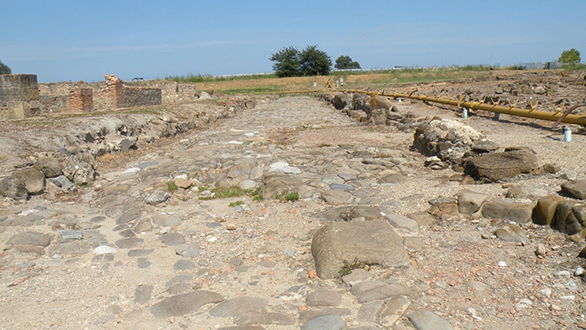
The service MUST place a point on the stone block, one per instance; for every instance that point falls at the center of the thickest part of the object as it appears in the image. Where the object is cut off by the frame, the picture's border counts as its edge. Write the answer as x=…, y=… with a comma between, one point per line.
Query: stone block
x=544, y=211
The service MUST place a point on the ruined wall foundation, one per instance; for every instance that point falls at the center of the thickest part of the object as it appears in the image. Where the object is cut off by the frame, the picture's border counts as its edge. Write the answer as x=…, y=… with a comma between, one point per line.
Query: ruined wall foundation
x=18, y=87
x=81, y=99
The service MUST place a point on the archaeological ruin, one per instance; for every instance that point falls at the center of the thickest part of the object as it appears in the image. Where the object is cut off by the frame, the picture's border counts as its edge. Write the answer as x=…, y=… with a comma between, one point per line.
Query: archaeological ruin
x=21, y=96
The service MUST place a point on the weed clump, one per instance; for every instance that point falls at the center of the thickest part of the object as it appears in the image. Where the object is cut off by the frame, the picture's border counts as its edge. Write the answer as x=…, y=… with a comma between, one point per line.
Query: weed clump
x=349, y=267
x=171, y=186
x=236, y=203
x=288, y=196
x=219, y=193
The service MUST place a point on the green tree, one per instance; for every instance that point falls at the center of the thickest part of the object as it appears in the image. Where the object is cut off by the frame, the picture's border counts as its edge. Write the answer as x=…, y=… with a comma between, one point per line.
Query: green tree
x=345, y=62
x=314, y=62
x=286, y=62
x=4, y=69
x=570, y=56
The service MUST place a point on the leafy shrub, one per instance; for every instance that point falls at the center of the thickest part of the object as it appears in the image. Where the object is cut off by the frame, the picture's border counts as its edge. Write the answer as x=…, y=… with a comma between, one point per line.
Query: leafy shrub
x=4, y=69
x=345, y=62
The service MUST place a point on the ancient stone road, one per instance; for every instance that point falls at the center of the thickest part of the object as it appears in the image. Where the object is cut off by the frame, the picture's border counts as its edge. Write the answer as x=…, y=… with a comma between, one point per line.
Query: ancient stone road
x=180, y=238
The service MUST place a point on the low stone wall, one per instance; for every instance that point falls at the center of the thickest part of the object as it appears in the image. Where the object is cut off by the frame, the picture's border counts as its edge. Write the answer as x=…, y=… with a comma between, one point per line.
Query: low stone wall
x=53, y=103
x=18, y=87
x=111, y=94
x=134, y=96
x=172, y=92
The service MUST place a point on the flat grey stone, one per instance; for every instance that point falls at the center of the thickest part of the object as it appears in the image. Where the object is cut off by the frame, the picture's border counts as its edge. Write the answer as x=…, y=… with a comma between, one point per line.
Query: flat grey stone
x=188, y=251
x=377, y=290
x=172, y=238
x=325, y=322
x=166, y=220
x=347, y=177
x=426, y=320
x=98, y=219
x=178, y=279
x=184, y=265
x=157, y=197
x=127, y=233
x=406, y=226
x=314, y=312
x=370, y=311
x=392, y=178
x=341, y=186
x=129, y=215
x=143, y=293
x=264, y=317
x=393, y=310
x=183, y=304
x=74, y=248
x=129, y=243
x=238, y=307
x=68, y=235
x=30, y=238
x=143, y=263
x=336, y=197
x=180, y=288
x=140, y=252
x=324, y=297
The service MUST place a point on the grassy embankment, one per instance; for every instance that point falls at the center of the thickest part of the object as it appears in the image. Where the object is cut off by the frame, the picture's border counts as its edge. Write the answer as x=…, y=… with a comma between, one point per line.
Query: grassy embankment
x=259, y=84
x=270, y=83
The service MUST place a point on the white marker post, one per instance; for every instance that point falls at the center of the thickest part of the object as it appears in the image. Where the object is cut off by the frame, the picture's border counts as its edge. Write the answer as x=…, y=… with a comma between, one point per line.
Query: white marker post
x=567, y=134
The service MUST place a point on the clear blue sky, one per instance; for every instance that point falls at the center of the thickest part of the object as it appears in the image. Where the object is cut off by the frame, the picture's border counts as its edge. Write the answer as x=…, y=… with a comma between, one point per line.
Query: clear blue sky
x=62, y=40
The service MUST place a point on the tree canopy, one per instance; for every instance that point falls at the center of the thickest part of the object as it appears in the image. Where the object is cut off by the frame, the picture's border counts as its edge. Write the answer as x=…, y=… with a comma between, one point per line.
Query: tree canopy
x=311, y=61
x=4, y=69
x=286, y=62
x=570, y=56
x=346, y=62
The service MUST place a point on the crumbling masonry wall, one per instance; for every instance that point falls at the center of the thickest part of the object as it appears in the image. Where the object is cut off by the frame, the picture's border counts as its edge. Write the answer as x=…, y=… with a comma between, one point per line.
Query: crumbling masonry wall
x=123, y=96
x=133, y=97
x=81, y=99
x=19, y=96
x=18, y=88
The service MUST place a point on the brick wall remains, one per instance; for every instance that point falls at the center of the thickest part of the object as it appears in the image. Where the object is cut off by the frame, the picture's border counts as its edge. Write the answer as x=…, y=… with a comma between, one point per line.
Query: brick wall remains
x=81, y=99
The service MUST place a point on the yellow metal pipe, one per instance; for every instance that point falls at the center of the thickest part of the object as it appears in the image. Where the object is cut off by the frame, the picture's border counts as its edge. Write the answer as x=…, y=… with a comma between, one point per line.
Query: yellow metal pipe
x=570, y=119
x=551, y=116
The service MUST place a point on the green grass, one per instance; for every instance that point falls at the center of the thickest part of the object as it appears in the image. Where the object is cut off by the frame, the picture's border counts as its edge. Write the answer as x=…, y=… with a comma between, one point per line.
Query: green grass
x=220, y=193
x=253, y=90
x=204, y=78
x=236, y=203
x=288, y=196
x=349, y=267
x=171, y=186
x=199, y=78
x=574, y=67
